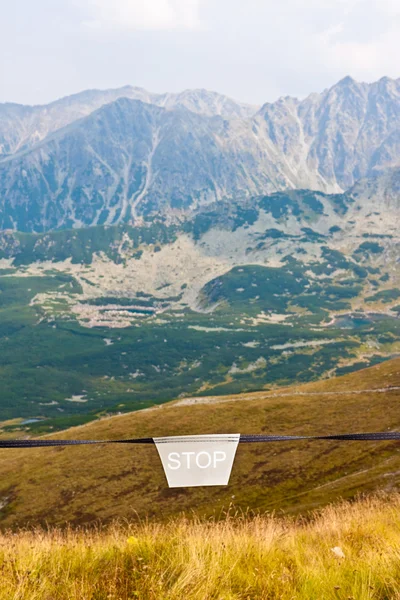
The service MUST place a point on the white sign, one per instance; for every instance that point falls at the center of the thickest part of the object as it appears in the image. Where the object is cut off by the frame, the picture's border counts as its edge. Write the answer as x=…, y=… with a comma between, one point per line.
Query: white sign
x=195, y=460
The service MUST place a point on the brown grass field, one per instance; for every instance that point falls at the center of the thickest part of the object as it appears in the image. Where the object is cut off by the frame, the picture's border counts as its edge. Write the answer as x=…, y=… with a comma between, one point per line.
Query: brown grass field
x=82, y=485
x=346, y=551
x=99, y=523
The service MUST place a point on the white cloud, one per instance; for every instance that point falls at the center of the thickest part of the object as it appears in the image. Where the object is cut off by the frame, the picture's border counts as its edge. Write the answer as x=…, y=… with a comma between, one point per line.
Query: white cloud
x=253, y=50
x=365, y=41
x=144, y=14
x=367, y=60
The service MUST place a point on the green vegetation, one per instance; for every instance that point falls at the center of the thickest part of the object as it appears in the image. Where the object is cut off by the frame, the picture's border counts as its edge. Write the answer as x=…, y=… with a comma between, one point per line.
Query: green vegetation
x=384, y=296
x=257, y=326
x=367, y=248
x=54, y=369
x=273, y=288
x=304, y=204
x=79, y=245
x=118, y=300
x=256, y=288
x=378, y=236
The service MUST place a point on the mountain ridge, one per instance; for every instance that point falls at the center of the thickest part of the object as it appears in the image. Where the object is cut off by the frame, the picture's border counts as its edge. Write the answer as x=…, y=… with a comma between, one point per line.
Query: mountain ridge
x=130, y=159
x=46, y=118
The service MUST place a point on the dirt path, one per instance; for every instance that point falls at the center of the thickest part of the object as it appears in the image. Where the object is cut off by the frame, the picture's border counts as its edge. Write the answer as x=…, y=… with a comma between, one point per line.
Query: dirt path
x=218, y=399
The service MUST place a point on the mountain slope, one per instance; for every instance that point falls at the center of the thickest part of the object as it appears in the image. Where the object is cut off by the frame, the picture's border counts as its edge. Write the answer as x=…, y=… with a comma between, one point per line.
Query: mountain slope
x=379, y=192
x=84, y=484
x=127, y=158
x=346, y=132
x=169, y=155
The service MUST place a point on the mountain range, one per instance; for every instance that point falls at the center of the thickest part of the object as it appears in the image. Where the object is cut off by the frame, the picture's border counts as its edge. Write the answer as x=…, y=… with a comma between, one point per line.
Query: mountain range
x=158, y=246
x=128, y=156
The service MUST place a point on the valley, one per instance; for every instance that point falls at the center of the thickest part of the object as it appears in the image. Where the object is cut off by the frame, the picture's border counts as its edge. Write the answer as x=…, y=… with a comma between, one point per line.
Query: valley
x=235, y=299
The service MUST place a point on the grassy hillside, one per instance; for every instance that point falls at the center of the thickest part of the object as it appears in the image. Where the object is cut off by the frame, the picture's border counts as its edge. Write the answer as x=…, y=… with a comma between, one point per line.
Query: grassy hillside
x=83, y=484
x=348, y=551
x=79, y=245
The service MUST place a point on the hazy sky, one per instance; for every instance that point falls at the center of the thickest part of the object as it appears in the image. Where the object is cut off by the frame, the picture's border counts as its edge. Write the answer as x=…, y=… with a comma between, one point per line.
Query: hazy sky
x=252, y=50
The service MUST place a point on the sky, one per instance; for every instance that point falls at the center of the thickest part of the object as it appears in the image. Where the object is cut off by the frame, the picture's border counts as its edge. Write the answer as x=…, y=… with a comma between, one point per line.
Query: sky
x=251, y=50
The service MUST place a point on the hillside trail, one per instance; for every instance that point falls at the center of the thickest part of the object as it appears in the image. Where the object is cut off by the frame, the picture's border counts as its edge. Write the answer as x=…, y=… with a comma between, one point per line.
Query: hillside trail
x=218, y=400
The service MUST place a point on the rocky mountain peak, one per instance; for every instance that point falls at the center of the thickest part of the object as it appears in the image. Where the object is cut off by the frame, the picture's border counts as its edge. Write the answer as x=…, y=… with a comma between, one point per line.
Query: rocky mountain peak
x=119, y=155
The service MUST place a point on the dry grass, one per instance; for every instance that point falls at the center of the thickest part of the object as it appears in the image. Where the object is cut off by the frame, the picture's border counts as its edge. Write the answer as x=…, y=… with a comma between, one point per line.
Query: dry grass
x=83, y=484
x=239, y=557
